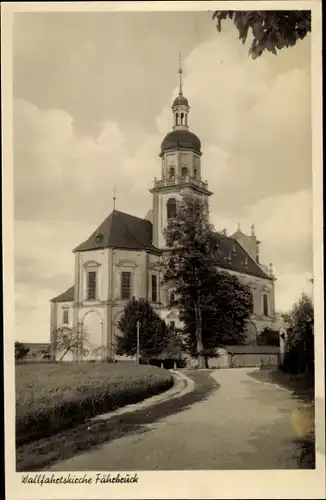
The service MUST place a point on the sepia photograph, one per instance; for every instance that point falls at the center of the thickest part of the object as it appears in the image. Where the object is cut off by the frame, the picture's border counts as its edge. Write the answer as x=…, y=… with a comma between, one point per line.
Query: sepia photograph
x=164, y=275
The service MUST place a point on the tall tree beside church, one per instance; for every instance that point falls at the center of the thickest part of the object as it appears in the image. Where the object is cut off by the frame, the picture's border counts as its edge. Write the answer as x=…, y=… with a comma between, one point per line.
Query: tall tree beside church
x=154, y=334
x=225, y=309
x=212, y=305
x=271, y=30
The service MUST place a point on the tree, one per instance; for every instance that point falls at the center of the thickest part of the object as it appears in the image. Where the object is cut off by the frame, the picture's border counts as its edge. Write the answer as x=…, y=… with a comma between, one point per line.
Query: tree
x=225, y=311
x=299, y=348
x=212, y=305
x=272, y=30
x=268, y=336
x=21, y=351
x=71, y=340
x=154, y=334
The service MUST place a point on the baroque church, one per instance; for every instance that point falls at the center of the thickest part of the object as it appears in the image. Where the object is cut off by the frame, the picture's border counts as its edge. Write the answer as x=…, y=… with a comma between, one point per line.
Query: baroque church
x=121, y=259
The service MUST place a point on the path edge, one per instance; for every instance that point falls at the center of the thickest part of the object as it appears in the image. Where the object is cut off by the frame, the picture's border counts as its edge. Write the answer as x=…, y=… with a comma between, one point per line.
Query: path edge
x=182, y=385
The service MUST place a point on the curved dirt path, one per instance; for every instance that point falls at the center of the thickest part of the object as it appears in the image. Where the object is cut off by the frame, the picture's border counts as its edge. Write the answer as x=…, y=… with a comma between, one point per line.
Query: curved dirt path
x=242, y=424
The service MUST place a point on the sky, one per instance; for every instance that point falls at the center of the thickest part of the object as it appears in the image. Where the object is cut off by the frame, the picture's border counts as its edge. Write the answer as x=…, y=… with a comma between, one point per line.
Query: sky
x=92, y=104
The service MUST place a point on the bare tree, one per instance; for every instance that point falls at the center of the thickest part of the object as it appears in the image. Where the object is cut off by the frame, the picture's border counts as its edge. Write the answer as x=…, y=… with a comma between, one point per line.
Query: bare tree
x=71, y=340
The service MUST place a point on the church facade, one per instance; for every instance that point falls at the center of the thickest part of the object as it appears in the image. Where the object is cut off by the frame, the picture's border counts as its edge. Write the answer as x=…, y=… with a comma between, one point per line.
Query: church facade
x=121, y=258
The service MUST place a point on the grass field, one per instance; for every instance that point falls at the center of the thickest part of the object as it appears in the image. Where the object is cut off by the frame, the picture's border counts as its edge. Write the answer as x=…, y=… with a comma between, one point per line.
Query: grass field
x=53, y=397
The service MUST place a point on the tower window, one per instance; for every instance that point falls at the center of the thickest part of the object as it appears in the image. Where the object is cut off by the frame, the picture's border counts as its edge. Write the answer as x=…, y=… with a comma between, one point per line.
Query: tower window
x=265, y=305
x=171, y=173
x=91, y=285
x=126, y=285
x=171, y=207
x=177, y=119
x=65, y=319
x=195, y=173
x=154, y=288
x=184, y=171
x=182, y=117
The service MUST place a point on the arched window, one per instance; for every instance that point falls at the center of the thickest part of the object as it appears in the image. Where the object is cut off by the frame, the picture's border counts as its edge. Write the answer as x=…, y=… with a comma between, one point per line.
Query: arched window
x=65, y=317
x=91, y=285
x=182, y=116
x=177, y=119
x=184, y=172
x=171, y=208
x=195, y=173
x=265, y=305
x=171, y=173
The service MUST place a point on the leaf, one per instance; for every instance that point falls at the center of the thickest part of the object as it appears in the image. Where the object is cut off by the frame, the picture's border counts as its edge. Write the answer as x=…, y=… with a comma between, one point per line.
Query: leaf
x=281, y=28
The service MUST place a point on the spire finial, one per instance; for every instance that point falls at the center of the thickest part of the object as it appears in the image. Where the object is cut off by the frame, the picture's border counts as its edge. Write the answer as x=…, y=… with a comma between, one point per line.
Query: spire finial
x=114, y=197
x=253, y=230
x=239, y=226
x=180, y=75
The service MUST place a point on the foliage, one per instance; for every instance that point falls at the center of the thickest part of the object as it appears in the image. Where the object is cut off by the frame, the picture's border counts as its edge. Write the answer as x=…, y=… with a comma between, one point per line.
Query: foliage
x=268, y=336
x=271, y=30
x=71, y=340
x=212, y=305
x=21, y=351
x=299, y=349
x=224, y=313
x=53, y=397
x=154, y=334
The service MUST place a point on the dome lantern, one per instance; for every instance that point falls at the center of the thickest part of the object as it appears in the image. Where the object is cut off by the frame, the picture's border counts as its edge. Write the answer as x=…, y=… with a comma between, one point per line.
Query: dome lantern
x=180, y=106
x=180, y=137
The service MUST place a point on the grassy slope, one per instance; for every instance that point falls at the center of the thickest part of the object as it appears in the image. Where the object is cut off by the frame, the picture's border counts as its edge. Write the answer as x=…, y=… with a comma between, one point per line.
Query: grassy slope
x=302, y=387
x=52, y=397
x=39, y=455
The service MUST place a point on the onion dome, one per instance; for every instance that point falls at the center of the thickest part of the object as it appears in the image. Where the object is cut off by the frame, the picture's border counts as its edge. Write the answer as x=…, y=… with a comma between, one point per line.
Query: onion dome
x=181, y=139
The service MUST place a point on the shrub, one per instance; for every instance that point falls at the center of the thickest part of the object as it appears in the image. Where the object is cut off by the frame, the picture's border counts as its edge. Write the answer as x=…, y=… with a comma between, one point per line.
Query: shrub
x=21, y=351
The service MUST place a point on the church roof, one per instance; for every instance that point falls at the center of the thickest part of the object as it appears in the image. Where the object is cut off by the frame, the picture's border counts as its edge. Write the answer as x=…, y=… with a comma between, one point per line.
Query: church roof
x=120, y=230
x=233, y=256
x=181, y=139
x=238, y=234
x=67, y=296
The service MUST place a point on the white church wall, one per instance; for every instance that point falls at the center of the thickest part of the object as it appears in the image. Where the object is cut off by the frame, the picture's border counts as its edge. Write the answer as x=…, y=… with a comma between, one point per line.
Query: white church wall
x=169, y=160
x=134, y=262
x=197, y=166
x=91, y=258
x=171, y=316
x=186, y=160
x=93, y=325
x=63, y=316
x=91, y=314
x=259, y=287
x=162, y=218
x=154, y=270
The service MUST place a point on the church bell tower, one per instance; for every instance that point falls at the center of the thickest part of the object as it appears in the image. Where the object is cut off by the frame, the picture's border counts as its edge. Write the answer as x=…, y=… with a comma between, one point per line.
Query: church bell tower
x=180, y=168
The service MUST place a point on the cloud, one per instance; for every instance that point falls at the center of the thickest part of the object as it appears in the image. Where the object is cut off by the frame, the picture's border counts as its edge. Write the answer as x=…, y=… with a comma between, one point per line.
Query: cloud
x=283, y=224
x=253, y=118
x=44, y=268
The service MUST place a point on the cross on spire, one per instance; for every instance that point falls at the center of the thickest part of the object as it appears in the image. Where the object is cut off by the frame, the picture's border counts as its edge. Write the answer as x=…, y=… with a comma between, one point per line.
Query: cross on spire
x=180, y=75
x=114, y=191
